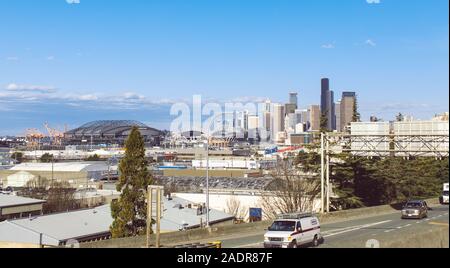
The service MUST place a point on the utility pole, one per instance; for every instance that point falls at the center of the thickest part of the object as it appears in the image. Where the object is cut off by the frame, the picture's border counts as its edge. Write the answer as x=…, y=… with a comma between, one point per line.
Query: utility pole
x=328, y=173
x=149, y=213
x=158, y=192
x=53, y=160
x=322, y=171
x=158, y=218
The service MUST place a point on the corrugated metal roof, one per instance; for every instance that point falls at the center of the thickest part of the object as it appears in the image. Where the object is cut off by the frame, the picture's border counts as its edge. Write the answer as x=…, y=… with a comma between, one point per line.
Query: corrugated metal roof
x=60, y=227
x=12, y=200
x=65, y=226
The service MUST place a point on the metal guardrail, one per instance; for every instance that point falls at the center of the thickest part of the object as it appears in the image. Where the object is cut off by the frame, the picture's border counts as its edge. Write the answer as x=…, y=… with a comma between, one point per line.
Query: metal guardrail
x=217, y=244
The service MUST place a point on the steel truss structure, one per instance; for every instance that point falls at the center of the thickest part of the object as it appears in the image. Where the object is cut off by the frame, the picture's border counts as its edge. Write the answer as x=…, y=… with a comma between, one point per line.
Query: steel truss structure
x=390, y=145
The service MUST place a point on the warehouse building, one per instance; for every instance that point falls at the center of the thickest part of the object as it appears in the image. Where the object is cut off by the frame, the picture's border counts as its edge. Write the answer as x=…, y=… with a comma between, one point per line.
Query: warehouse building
x=75, y=173
x=15, y=207
x=93, y=224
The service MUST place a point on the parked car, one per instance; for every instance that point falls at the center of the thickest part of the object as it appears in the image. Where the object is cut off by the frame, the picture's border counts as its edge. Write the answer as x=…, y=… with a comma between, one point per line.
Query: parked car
x=417, y=209
x=293, y=230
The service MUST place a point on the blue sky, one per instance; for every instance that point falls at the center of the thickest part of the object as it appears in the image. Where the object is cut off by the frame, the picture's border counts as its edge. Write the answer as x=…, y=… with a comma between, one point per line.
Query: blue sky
x=71, y=63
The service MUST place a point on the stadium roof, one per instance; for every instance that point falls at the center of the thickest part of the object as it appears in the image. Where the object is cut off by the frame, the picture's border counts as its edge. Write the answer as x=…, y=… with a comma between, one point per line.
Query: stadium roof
x=107, y=127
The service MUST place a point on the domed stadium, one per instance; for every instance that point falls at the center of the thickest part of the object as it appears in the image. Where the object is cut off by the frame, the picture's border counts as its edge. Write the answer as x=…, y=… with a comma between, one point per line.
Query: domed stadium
x=110, y=132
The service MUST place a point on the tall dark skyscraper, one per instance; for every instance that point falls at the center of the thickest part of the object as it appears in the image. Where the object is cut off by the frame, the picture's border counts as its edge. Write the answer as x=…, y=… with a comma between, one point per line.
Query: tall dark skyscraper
x=327, y=103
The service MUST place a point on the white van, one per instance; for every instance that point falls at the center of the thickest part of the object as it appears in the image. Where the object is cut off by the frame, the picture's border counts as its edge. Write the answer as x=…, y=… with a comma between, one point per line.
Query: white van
x=293, y=230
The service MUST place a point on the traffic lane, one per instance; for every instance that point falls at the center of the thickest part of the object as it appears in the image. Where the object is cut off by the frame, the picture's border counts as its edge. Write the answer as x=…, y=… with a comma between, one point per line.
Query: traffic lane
x=354, y=233
x=358, y=237
x=332, y=229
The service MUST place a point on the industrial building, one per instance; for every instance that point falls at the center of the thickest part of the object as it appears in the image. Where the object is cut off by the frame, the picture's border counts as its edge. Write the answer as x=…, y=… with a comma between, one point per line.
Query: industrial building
x=75, y=173
x=93, y=224
x=110, y=132
x=15, y=207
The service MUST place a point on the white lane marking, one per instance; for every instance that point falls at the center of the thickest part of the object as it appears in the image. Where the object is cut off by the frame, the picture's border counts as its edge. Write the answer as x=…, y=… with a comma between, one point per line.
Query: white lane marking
x=427, y=220
x=400, y=227
x=388, y=231
x=407, y=225
x=439, y=216
x=418, y=221
x=357, y=228
x=249, y=245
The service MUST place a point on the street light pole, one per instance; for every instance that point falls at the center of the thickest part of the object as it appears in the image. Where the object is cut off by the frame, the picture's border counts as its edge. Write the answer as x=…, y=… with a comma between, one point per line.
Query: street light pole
x=207, y=167
x=207, y=179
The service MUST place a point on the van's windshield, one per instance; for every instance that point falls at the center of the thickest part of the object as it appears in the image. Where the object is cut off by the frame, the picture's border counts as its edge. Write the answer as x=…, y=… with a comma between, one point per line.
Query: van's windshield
x=445, y=193
x=282, y=226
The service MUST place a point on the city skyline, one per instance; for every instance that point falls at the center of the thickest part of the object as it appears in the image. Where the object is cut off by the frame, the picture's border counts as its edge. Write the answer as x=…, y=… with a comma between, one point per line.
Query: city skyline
x=76, y=68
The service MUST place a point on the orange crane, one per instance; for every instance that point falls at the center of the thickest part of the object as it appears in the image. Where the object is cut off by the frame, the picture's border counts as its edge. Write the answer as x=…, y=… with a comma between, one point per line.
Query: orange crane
x=33, y=137
x=56, y=135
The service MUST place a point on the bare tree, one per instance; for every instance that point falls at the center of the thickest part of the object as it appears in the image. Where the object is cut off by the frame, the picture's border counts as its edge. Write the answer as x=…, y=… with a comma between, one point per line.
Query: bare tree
x=291, y=191
x=59, y=195
x=235, y=208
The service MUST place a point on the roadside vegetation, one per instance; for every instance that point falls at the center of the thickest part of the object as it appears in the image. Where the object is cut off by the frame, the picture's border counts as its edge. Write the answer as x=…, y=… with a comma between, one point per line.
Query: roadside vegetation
x=360, y=181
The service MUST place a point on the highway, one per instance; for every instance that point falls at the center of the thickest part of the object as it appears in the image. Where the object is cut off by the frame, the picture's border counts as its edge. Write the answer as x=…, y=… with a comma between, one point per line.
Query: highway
x=357, y=233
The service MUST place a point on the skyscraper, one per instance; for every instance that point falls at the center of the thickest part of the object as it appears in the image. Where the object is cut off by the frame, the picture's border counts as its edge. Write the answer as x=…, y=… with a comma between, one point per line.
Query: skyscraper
x=346, y=107
x=293, y=103
x=278, y=120
x=337, y=108
x=327, y=104
x=293, y=98
x=314, y=117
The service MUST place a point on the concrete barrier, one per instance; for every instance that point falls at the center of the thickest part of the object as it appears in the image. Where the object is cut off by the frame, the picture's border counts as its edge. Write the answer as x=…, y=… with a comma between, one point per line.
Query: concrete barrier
x=248, y=228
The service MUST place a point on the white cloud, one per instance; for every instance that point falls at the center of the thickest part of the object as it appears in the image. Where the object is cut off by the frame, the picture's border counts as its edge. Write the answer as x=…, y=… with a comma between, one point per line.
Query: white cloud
x=88, y=97
x=12, y=58
x=70, y=2
x=50, y=58
x=328, y=46
x=371, y=43
x=133, y=96
x=32, y=88
x=370, y=2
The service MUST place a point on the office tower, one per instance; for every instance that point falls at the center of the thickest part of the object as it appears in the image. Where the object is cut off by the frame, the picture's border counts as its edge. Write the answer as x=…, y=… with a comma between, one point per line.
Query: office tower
x=327, y=103
x=253, y=122
x=337, y=108
x=314, y=117
x=293, y=103
x=290, y=122
x=253, y=126
x=290, y=108
x=346, y=107
x=293, y=99
x=278, y=119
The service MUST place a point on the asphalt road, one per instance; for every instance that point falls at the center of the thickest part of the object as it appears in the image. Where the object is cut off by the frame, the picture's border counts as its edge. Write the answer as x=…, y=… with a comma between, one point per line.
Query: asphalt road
x=356, y=233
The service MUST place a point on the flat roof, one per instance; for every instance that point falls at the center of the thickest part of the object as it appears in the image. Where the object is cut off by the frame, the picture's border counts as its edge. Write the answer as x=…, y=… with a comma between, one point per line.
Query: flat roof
x=60, y=227
x=62, y=166
x=14, y=201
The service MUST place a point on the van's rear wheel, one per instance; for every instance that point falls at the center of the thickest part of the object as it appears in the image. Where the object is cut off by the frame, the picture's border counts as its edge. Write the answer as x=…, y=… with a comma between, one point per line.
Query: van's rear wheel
x=315, y=242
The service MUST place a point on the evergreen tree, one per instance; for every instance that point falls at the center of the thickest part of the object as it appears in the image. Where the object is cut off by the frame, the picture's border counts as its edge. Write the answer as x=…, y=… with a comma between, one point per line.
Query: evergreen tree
x=130, y=210
x=324, y=122
x=356, y=115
